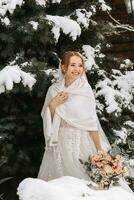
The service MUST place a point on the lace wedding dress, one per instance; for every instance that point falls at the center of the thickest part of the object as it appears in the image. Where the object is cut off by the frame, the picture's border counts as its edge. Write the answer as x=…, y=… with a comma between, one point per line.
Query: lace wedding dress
x=63, y=159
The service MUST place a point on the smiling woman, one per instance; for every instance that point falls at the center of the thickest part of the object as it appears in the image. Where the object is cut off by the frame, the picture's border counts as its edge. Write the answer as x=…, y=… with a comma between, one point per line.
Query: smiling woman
x=74, y=69
x=72, y=66
x=71, y=127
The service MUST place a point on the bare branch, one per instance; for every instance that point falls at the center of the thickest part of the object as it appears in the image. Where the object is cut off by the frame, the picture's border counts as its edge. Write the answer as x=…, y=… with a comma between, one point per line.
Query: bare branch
x=119, y=25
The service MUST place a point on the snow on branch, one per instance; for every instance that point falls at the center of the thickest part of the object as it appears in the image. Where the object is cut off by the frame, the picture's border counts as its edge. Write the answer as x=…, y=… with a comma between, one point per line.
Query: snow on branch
x=83, y=17
x=122, y=134
x=89, y=53
x=9, y=5
x=108, y=93
x=68, y=26
x=13, y=74
x=56, y=1
x=41, y=2
x=34, y=24
x=104, y=6
x=117, y=93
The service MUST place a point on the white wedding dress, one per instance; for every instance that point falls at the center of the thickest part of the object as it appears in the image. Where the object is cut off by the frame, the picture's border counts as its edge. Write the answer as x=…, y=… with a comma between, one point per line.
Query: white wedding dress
x=63, y=159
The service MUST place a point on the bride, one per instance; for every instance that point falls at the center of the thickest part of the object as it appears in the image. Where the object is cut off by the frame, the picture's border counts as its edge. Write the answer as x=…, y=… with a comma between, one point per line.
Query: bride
x=71, y=127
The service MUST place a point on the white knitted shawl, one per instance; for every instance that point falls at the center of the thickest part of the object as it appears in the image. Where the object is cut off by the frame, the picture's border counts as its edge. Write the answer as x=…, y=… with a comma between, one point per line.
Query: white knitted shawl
x=78, y=111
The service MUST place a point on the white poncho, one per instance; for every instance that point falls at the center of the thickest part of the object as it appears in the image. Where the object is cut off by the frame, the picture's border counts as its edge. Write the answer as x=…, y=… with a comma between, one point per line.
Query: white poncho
x=79, y=111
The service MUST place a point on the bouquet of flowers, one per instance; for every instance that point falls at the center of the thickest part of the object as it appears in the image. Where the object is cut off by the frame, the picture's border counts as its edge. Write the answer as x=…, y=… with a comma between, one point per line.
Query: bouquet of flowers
x=105, y=169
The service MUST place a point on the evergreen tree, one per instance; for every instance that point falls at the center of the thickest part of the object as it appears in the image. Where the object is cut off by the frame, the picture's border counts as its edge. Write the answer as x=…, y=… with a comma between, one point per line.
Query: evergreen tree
x=34, y=35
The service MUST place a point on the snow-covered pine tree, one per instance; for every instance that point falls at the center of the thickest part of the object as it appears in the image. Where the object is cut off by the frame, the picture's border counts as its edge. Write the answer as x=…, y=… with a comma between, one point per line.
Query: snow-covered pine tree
x=34, y=34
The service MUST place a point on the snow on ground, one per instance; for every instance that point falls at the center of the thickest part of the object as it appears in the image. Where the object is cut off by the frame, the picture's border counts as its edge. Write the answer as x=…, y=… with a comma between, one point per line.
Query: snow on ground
x=13, y=74
x=67, y=188
x=68, y=26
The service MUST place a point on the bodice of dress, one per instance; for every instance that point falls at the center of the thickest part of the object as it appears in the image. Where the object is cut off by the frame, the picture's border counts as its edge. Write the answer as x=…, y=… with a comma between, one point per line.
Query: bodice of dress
x=64, y=124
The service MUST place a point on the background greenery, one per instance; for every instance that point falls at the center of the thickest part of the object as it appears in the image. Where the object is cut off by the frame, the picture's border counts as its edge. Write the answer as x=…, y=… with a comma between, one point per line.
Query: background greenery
x=21, y=135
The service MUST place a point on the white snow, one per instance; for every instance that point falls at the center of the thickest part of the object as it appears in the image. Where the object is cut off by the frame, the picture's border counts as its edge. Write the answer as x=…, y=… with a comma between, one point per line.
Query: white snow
x=129, y=123
x=49, y=71
x=83, y=17
x=89, y=53
x=67, y=188
x=117, y=90
x=5, y=21
x=109, y=95
x=126, y=85
x=41, y=2
x=34, y=24
x=13, y=74
x=122, y=95
x=127, y=64
x=25, y=64
x=93, y=8
x=56, y=1
x=9, y=5
x=104, y=6
x=122, y=134
x=66, y=25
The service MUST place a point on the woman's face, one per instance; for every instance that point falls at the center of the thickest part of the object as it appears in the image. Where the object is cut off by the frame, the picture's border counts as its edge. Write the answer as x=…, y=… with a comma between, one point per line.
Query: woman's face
x=75, y=68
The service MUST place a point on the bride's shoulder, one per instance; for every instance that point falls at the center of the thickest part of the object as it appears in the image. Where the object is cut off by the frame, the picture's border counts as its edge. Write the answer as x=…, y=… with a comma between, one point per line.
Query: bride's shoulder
x=54, y=86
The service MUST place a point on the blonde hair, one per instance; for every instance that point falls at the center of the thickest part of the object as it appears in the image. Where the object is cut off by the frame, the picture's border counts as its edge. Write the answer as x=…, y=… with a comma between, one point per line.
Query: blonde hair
x=66, y=58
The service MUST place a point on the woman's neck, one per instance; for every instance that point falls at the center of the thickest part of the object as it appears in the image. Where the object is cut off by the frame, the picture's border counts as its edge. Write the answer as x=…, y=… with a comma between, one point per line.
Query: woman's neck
x=68, y=81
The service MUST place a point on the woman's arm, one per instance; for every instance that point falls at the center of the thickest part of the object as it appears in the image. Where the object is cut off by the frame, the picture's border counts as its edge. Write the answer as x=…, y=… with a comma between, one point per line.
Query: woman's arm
x=96, y=139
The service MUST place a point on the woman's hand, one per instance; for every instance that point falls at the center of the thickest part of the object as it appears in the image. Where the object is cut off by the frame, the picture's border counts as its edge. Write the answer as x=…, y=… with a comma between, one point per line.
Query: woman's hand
x=102, y=151
x=57, y=101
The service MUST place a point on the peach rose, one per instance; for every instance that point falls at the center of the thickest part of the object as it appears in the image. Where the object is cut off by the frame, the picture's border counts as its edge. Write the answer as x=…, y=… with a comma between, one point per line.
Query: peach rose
x=102, y=173
x=125, y=170
x=98, y=164
x=96, y=157
x=118, y=169
x=115, y=164
x=108, y=169
x=104, y=162
x=108, y=158
x=118, y=157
